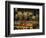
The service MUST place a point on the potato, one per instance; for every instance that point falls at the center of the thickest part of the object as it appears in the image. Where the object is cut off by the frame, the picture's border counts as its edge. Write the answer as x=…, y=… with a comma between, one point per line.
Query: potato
x=33, y=17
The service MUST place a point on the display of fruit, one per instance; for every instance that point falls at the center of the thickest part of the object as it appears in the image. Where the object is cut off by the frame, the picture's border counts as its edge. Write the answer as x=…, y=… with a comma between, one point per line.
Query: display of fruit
x=27, y=19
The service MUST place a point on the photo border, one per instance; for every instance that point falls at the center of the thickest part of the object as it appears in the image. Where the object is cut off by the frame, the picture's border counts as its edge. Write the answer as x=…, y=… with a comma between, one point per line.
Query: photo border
x=7, y=18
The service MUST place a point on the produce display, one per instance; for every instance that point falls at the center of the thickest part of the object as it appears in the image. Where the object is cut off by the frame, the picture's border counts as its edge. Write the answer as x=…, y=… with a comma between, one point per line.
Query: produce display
x=26, y=18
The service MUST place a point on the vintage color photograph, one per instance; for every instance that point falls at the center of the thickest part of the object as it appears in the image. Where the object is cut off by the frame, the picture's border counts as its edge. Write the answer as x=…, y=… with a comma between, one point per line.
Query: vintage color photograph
x=25, y=18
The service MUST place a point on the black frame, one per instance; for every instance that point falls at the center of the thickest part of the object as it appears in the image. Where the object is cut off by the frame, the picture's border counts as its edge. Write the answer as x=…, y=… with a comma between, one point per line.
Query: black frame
x=7, y=18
